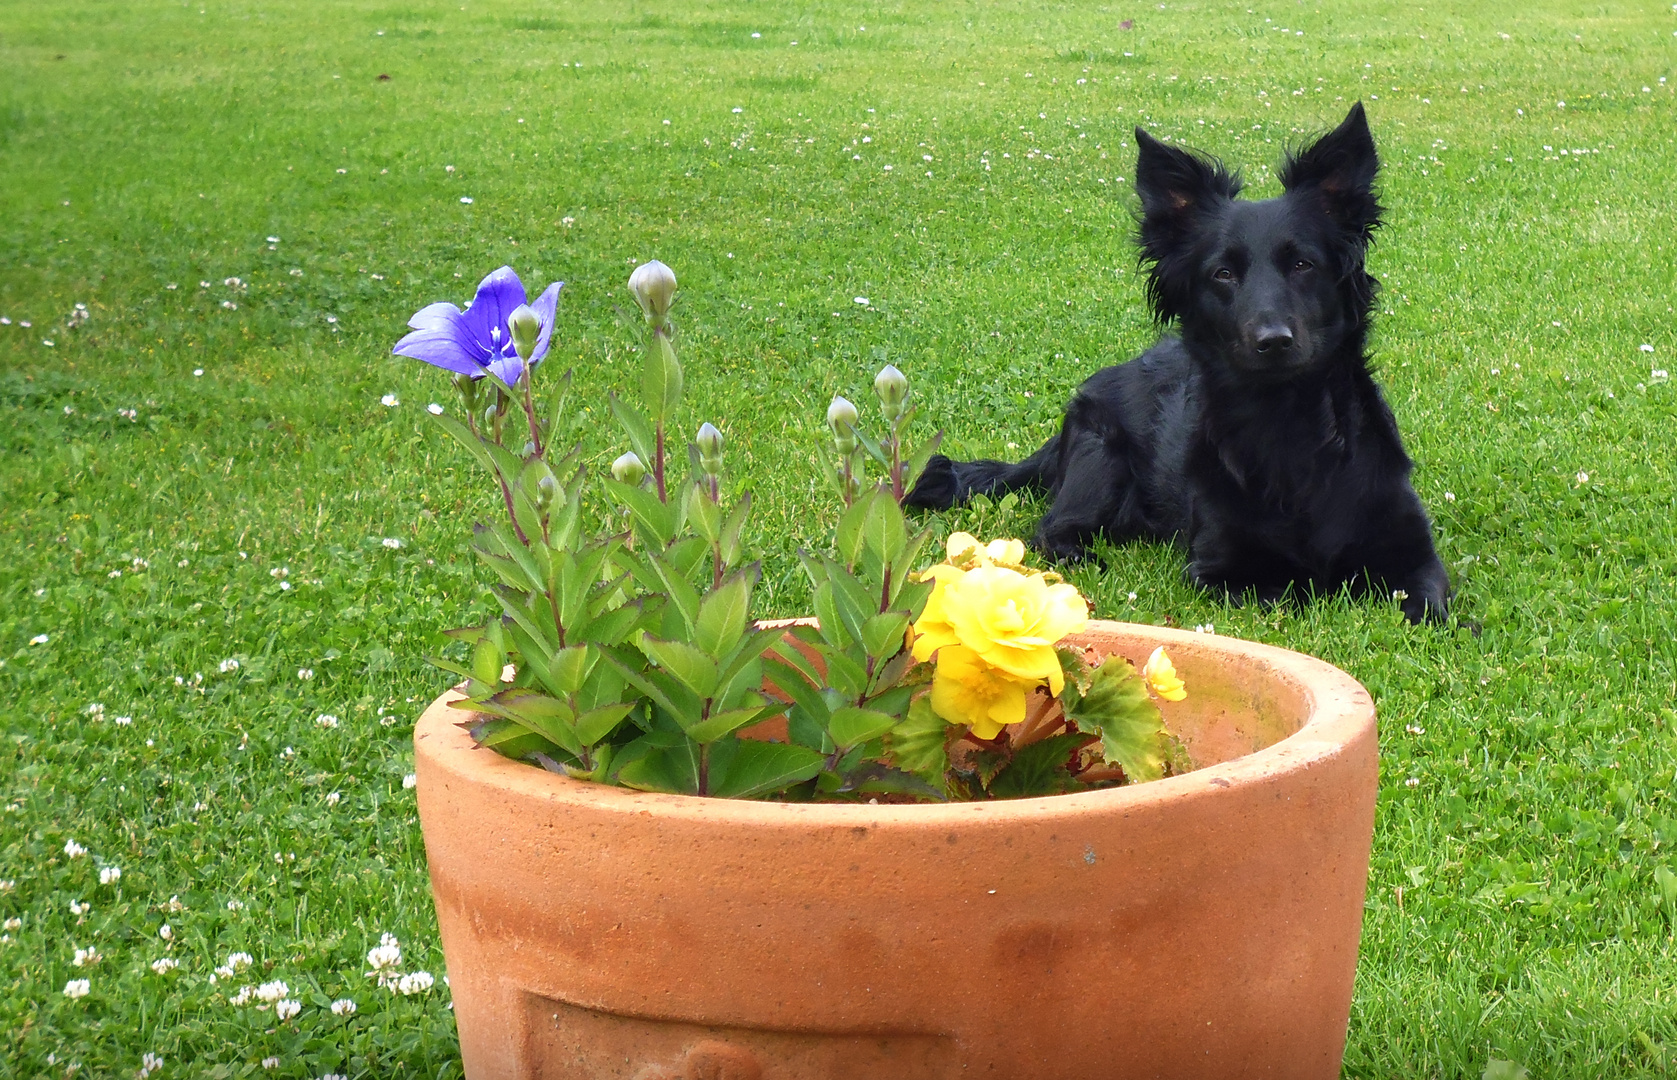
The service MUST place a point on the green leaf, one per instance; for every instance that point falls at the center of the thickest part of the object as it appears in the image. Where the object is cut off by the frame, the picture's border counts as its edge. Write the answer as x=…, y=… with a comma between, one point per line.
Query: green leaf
x=827, y=614
x=733, y=529
x=1497, y=1069
x=674, y=700
x=853, y=600
x=704, y=515
x=673, y=769
x=682, y=595
x=723, y=614
x=1038, y=769
x=715, y=727
x=657, y=522
x=919, y=745
x=692, y=668
x=884, y=533
x=803, y=689
x=845, y=673
x=570, y=666
x=760, y=768
x=596, y=724
x=906, y=593
x=550, y=717
x=487, y=662
x=883, y=634
x=1116, y=707
x=847, y=538
x=643, y=440
x=872, y=777
x=463, y=434
x=852, y=726
x=661, y=381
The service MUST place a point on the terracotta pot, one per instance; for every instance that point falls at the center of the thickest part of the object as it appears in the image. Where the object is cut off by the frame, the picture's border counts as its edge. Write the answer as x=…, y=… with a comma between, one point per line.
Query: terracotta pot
x=1204, y=925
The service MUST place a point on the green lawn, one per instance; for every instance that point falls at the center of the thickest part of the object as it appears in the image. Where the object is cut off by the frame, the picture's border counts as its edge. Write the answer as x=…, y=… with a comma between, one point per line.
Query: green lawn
x=150, y=152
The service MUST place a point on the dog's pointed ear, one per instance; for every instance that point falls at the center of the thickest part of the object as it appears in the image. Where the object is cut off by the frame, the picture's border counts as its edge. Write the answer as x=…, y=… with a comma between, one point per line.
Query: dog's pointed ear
x=1338, y=171
x=1178, y=189
x=1175, y=184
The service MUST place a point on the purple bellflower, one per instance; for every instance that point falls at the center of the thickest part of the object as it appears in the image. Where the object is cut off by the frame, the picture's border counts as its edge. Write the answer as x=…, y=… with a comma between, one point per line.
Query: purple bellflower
x=478, y=340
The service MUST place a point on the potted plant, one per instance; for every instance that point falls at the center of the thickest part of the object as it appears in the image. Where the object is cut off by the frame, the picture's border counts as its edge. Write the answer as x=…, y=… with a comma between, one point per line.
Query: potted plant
x=939, y=853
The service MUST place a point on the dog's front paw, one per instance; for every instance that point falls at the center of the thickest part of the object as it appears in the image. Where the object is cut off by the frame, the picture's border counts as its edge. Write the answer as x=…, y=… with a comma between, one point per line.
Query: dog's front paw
x=1060, y=545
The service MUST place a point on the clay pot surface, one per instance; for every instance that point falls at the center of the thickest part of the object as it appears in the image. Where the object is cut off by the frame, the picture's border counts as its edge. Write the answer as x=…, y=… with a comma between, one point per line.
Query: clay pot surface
x=1205, y=925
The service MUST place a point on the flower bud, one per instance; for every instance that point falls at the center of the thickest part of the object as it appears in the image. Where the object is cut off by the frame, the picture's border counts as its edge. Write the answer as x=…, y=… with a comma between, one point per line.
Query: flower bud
x=467, y=386
x=628, y=469
x=653, y=285
x=526, y=327
x=546, y=488
x=892, y=387
x=709, y=441
x=841, y=417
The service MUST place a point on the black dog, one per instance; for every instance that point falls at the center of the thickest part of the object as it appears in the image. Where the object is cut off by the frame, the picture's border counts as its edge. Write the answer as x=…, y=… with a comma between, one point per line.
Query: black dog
x=1258, y=437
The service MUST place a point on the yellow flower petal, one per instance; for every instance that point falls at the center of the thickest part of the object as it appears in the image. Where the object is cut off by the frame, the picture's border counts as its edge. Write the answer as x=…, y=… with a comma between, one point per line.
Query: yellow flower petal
x=967, y=691
x=959, y=544
x=1160, y=674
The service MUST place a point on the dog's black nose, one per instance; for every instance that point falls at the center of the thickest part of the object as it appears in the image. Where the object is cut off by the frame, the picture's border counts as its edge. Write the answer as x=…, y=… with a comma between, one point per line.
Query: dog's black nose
x=1274, y=339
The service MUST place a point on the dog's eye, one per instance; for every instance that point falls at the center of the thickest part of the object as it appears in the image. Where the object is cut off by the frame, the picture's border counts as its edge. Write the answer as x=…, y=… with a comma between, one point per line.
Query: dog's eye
x=1223, y=273
x=1302, y=265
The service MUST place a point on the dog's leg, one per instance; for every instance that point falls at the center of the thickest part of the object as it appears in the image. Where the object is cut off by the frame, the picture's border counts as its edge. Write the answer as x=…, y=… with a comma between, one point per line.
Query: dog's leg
x=1399, y=555
x=1090, y=501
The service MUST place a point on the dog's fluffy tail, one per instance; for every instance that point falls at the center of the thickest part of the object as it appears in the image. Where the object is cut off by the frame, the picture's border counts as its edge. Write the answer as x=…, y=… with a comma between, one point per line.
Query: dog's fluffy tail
x=947, y=483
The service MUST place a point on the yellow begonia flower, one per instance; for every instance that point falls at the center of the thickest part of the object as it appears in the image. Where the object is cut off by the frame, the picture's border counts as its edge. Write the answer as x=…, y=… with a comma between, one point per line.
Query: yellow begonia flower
x=1011, y=620
x=966, y=548
x=932, y=631
x=966, y=690
x=1160, y=674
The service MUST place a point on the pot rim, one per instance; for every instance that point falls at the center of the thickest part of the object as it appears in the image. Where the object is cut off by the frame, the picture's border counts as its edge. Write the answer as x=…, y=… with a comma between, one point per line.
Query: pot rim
x=1339, y=710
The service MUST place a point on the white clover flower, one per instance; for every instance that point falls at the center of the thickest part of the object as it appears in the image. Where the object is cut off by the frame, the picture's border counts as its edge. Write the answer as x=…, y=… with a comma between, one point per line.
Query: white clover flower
x=166, y=932
x=305, y=674
x=467, y=199
x=287, y=754
x=343, y=1007
x=1413, y=781
x=123, y=721
x=225, y=971
x=390, y=401
x=7, y=885
x=332, y=799
x=1582, y=478
x=13, y=923
x=237, y=905
x=391, y=542
x=79, y=908
x=240, y=960
x=110, y=874
x=77, y=988
x=410, y=781
x=1449, y=496
x=270, y=1063
x=86, y=957
x=241, y=998
x=285, y=1009
x=175, y=905
x=149, y=1063
x=39, y=639
x=96, y=709
x=164, y=965
x=73, y=849
x=272, y=991
x=434, y=409
x=1645, y=347
x=326, y=720
x=229, y=664
x=416, y=983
